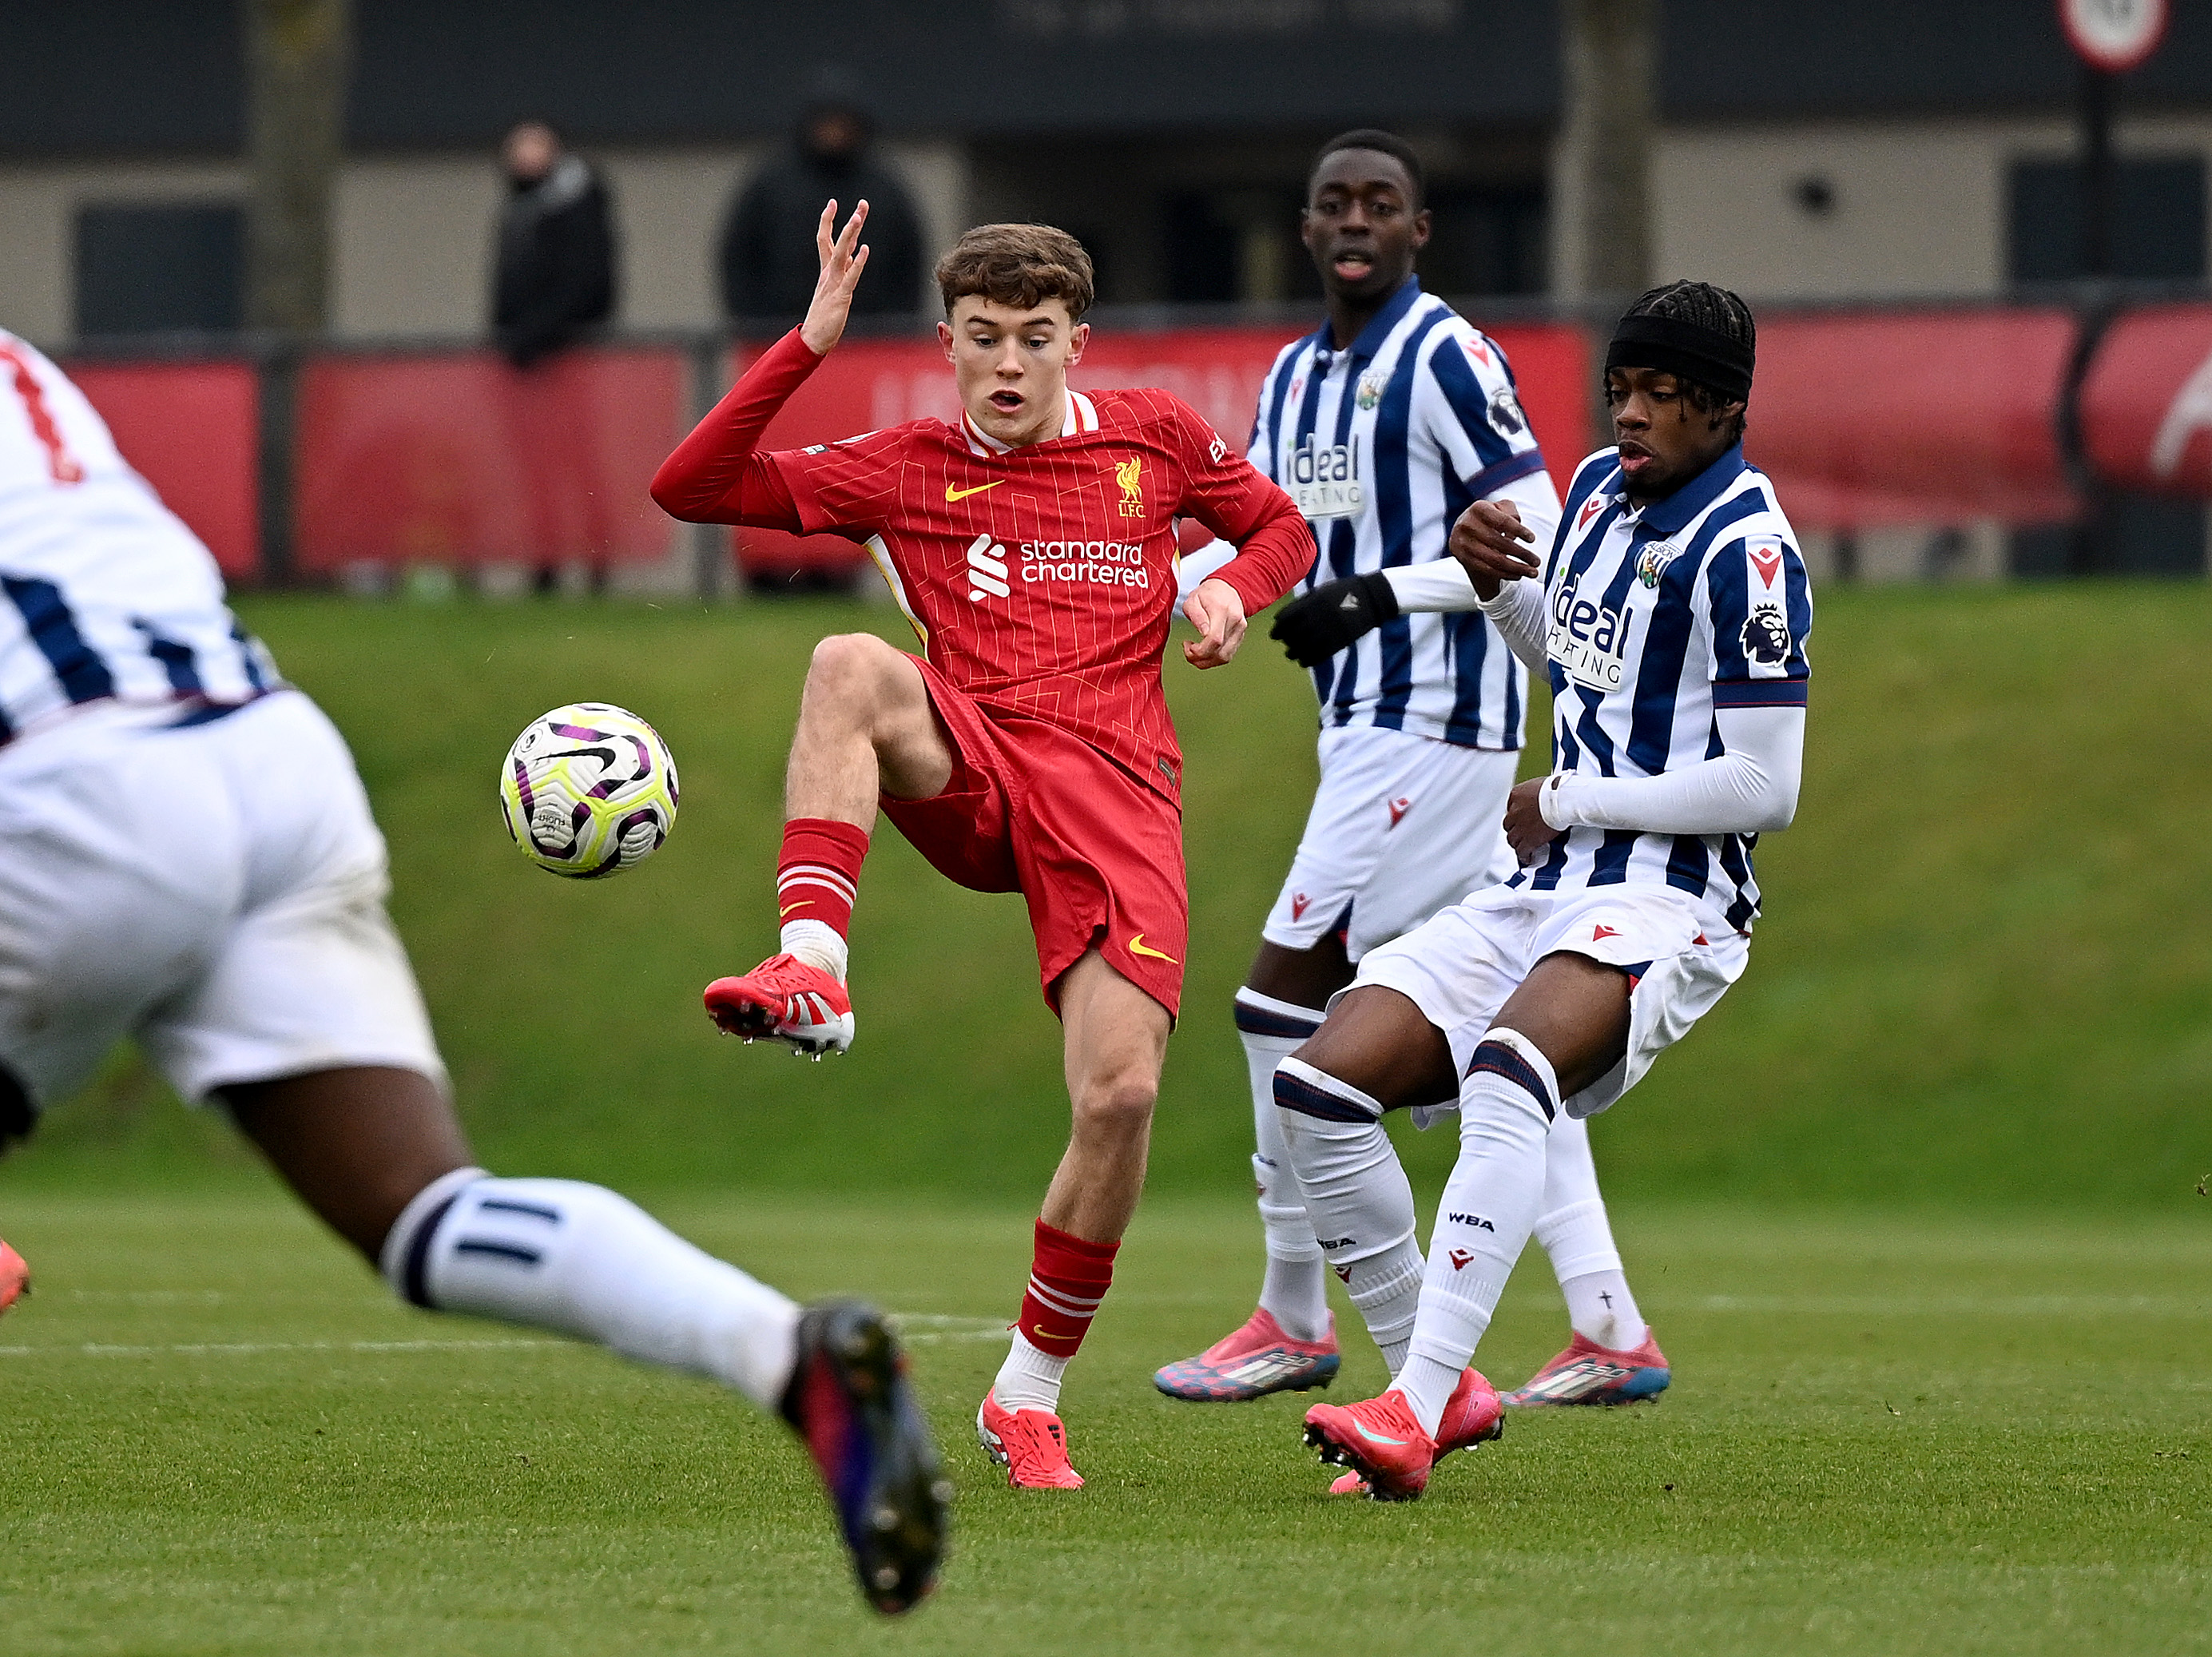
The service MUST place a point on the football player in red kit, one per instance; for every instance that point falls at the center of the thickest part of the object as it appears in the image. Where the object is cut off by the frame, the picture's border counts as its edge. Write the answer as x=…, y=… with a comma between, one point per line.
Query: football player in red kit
x=1029, y=748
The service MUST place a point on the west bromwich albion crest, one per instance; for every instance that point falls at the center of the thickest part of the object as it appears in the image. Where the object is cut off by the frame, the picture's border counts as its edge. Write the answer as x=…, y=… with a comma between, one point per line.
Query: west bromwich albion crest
x=1651, y=563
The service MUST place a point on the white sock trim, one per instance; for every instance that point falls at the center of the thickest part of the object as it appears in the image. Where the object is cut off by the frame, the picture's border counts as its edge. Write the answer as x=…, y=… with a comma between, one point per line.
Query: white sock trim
x=1273, y=1019
x=400, y=1260
x=1299, y=1086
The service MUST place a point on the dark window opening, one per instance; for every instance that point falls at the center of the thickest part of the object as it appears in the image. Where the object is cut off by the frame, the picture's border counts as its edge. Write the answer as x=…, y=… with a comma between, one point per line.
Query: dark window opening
x=2158, y=219
x=155, y=269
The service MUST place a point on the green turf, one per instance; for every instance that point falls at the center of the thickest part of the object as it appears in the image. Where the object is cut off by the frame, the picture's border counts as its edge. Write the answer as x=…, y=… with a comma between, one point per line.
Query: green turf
x=1887, y=1436
x=1982, y=978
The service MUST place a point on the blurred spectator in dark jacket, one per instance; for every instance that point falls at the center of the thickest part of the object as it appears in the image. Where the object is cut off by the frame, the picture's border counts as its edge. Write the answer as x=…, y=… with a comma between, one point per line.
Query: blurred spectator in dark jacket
x=768, y=261
x=555, y=273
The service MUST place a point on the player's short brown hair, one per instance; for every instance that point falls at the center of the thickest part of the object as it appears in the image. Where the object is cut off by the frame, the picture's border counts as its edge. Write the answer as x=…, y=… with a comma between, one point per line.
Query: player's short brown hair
x=1019, y=265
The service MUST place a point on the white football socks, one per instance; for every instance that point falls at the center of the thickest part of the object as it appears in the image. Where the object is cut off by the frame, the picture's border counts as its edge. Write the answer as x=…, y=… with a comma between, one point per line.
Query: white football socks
x=819, y=944
x=1357, y=1199
x=1576, y=1235
x=577, y=1259
x=1029, y=1378
x=1506, y=1105
x=1295, y=1291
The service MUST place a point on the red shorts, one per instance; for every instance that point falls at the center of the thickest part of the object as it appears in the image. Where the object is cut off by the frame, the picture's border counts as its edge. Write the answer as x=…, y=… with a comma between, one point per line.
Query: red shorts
x=1031, y=808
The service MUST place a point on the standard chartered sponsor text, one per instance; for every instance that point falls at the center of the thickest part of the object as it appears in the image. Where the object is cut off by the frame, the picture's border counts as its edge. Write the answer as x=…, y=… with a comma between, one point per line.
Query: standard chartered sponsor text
x=1115, y=564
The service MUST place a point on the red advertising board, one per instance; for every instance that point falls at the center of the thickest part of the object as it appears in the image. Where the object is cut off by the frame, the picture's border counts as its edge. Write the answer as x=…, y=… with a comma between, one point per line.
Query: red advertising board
x=193, y=431
x=1873, y=419
x=866, y=384
x=2147, y=403
x=456, y=458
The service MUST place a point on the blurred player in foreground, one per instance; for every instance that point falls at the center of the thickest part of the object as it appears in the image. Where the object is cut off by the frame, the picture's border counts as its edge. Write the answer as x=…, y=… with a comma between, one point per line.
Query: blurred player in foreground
x=1383, y=425
x=186, y=857
x=1032, y=546
x=1671, y=616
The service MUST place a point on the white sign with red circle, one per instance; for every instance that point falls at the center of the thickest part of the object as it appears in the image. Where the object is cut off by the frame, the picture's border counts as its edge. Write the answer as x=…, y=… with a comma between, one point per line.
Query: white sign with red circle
x=2113, y=35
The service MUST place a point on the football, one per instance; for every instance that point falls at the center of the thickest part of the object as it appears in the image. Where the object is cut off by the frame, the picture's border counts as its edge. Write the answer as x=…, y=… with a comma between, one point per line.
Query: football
x=588, y=789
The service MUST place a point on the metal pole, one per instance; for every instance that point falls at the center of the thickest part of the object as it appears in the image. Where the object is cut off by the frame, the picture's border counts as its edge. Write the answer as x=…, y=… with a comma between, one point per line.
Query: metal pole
x=1602, y=214
x=2087, y=550
x=710, y=543
x=2099, y=176
x=298, y=54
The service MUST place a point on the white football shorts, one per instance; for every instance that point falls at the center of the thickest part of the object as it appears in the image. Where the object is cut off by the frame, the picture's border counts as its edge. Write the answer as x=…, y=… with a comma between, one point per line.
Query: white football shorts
x=1459, y=969
x=1401, y=826
x=215, y=889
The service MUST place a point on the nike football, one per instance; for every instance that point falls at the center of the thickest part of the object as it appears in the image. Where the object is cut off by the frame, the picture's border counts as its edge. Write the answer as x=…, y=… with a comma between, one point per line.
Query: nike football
x=588, y=789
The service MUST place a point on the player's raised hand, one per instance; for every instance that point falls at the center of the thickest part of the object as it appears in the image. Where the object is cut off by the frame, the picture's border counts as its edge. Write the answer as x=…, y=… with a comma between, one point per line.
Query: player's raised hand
x=1216, y=610
x=843, y=259
x=1493, y=546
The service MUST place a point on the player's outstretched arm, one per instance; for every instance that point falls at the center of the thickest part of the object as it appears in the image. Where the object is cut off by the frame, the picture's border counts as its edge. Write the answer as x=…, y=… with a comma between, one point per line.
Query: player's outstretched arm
x=1752, y=788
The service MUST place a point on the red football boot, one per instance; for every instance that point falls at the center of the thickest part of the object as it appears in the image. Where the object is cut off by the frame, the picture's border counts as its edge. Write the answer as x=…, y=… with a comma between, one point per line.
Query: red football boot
x=788, y=999
x=1475, y=1416
x=14, y=1277
x=1379, y=1440
x=1030, y=1443
x=1587, y=1372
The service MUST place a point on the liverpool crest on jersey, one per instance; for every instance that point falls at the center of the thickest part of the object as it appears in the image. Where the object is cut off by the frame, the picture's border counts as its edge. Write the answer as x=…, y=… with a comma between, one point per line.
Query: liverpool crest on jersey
x=1130, y=474
x=1651, y=563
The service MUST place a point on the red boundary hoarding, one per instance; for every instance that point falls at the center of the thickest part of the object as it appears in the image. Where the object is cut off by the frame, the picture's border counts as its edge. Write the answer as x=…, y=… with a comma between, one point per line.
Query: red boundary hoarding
x=456, y=458
x=2147, y=403
x=1875, y=419
x=193, y=431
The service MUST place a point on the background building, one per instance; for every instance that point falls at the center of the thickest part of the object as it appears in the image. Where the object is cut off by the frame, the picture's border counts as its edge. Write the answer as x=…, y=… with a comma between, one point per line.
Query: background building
x=1802, y=155
x=1864, y=152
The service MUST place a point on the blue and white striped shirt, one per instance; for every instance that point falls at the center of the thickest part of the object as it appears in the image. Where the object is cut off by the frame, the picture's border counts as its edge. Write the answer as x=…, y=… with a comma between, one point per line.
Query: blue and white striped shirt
x=105, y=595
x=1383, y=445
x=1659, y=619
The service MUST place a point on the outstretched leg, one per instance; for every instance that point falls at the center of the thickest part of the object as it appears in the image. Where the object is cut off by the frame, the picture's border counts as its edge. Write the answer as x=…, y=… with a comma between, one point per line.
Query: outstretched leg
x=378, y=1154
x=1116, y=1041
x=1377, y=1053
x=1559, y=1032
x=866, y=727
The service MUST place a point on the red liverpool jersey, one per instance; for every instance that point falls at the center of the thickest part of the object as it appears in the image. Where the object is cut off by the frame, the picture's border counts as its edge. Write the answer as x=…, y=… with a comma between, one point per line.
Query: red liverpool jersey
x=1041, y=580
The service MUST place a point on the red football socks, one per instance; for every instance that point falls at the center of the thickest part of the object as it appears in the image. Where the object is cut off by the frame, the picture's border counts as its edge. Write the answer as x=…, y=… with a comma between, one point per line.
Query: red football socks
x=819, y=868
x=1068, y=1277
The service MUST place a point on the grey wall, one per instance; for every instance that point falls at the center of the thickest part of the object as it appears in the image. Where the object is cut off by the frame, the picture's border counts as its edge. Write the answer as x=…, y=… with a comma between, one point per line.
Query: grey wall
x=162, y=76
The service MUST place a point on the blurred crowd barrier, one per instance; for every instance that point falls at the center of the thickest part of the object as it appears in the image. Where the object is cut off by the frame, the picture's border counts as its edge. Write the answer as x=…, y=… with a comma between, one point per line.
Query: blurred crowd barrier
x=447, y=456
x=192, y=428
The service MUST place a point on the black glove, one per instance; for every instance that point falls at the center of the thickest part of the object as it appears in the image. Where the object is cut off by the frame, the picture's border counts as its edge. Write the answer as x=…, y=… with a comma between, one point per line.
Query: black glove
x=1313, y=629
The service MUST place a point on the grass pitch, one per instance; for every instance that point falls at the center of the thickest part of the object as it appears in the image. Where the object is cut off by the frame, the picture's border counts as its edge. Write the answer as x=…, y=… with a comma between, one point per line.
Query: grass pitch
x=1886, y=1437
x=1982, y=978
x=1914, y=1212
